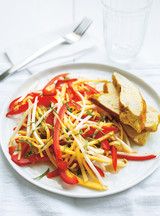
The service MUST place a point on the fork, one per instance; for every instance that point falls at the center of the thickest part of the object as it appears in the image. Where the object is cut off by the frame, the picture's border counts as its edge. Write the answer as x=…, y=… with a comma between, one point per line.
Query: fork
x=69, y=38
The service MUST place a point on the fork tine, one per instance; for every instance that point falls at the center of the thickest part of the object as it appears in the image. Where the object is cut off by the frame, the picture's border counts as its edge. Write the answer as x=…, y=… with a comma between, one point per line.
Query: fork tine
x=83, y=26
x=77, y=26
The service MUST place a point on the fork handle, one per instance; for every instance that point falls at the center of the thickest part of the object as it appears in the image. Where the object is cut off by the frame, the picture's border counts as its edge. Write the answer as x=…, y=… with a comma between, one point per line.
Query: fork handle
x=31, y=58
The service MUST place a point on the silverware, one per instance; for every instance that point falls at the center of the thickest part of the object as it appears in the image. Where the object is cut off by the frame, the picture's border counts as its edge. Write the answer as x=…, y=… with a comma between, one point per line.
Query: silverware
x=70, y=38
x=67, y=58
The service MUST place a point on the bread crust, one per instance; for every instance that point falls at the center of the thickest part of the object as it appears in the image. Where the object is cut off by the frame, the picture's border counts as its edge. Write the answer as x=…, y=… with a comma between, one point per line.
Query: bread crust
x=127, y=116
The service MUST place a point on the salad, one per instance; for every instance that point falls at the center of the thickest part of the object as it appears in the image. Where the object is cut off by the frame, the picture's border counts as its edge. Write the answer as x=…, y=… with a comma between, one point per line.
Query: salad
x=60, y=125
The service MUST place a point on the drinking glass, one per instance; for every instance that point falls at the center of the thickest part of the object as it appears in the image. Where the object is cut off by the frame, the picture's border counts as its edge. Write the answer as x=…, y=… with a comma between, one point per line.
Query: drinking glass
x=124, y=24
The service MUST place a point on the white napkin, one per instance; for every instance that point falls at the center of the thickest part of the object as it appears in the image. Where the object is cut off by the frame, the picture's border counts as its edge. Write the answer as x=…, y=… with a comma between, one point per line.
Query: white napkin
x=61, y=54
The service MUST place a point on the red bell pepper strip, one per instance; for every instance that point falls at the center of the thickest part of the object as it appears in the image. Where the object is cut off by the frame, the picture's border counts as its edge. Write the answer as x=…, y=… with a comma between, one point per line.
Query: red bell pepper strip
x=73, y=93
x=11, y=149
x=69, y=92
x=17, y=110
x=13, y=103
x=91, y=90
x=95, y=118
x=60, y=82
x=109, y=129
x=53, y=173
x=56, y=145
x=63, y=174
x=56, y=135
x=17, y=107
x=99, y=134
x=32, y=96
x=50, y=119
x=32, y=159
x=82, y=92
x=105, y=130
x=22, y=162
x=89, y=133
x=114, y=157
x=105, y=145
x=36, y=158
x=62, y=165
x=46, y=100
x=75, y=105
x=49, y=89
x=25, y=148
x=67, y=179
x=136, y=157
x=100, y=171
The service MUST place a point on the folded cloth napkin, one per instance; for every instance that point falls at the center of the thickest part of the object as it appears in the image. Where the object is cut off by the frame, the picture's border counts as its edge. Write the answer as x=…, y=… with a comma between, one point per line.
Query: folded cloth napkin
x=60, y=54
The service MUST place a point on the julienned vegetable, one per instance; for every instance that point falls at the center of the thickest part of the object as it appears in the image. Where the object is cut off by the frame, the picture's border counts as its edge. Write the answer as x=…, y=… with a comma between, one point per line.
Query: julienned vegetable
x=114, y=157
x=60, y=126
x=136, y=157
x=50, y=89
x=19, y=105
x=56, y=136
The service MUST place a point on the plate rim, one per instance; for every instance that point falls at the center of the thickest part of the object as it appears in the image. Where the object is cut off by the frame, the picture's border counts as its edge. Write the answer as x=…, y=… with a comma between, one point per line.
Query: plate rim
x=81, y=65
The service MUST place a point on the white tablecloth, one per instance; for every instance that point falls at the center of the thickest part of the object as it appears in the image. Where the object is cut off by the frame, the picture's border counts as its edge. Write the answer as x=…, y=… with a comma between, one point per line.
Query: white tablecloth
x=17, y=196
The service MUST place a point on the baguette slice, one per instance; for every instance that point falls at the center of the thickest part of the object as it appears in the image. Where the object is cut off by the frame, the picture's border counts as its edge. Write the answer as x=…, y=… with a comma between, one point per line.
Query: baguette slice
x=132, y=104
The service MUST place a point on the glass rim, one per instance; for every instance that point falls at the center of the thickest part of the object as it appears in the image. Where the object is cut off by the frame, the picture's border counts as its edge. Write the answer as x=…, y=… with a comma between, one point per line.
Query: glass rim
x=126, y=12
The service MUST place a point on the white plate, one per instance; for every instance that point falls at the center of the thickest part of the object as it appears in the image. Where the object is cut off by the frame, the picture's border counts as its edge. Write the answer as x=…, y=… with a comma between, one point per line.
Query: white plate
x=134, y=173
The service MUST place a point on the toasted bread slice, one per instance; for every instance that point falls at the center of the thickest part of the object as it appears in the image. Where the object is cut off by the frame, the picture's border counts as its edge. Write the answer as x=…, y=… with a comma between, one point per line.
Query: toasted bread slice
x=138, y=138
x=132, y=104
x=109, y=101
